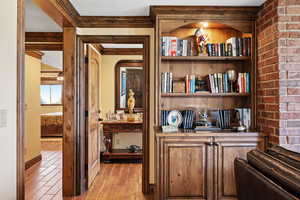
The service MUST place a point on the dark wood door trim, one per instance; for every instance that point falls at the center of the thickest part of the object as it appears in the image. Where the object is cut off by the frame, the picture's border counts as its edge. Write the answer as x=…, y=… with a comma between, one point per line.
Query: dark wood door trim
x=128, y=39
x=20, y=99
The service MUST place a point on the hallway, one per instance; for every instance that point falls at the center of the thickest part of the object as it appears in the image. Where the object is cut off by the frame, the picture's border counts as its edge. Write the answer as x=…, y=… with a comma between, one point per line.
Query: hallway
x=115, y=182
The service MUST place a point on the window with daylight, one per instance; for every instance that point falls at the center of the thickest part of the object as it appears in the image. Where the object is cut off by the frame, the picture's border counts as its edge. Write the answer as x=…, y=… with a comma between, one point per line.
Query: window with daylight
x=51, y=94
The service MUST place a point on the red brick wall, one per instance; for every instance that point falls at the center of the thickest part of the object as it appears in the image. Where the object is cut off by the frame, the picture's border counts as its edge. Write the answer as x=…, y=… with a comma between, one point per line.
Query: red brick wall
x=267, y=71
x=278, y=78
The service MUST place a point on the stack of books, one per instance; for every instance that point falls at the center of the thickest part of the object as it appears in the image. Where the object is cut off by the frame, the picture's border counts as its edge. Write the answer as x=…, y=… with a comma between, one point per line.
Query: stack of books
x=223, y=118
x=240, y=46
x=166, y=82
x=244, y=83
x=173, y=46
x=219, y=83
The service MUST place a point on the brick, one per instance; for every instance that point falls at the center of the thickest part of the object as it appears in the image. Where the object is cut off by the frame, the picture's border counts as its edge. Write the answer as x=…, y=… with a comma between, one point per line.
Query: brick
x=289, y=115
x=292, y=124
x=293, y=139
x=293, y=91
x=292, y=10
x=292, y=2
x=293, y=106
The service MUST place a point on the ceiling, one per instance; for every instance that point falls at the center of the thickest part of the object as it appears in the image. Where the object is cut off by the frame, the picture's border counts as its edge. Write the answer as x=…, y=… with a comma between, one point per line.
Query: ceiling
x=122, y=46
x=141, y=7
x=37, y=21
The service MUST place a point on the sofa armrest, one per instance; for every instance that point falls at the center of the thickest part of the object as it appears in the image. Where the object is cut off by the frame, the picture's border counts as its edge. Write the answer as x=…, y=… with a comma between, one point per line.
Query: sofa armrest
x=253, y=185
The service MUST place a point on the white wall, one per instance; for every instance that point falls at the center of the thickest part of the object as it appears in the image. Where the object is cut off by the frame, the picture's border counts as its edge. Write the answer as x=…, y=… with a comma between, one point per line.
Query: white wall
x=53, y=58
x=8, y=98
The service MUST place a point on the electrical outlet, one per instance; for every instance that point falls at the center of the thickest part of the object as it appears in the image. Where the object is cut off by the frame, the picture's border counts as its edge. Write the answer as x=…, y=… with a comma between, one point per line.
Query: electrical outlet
x=3, y=118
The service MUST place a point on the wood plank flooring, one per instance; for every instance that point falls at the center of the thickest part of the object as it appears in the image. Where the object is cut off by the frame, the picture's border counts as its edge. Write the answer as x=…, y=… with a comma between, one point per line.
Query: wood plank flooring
x=115, y=181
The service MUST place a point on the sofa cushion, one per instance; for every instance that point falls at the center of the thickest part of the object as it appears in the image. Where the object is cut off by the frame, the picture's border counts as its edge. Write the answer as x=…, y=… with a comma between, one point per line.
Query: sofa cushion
x=253, y=185
x=283, y=174
x=290, y=157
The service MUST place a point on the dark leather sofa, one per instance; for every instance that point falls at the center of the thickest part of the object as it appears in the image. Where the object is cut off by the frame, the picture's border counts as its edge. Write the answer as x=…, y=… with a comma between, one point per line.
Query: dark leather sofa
x=270, y=175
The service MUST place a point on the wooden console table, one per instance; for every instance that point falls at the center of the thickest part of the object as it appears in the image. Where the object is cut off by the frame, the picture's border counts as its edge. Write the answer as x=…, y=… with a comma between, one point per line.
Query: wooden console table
x=111, y=127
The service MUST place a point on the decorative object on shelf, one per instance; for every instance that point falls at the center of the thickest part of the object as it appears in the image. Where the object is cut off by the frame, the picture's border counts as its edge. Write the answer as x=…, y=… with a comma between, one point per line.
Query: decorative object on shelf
x=178, y=86
x=232, y=77
x=201, y=84
x=131, y=104
x=200, y=40
x=243, y=116
x=203, y=118
x=174, y=118
x=134, y=149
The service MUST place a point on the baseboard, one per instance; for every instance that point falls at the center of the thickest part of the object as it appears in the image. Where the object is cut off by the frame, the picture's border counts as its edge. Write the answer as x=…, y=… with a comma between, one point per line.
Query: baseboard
x=33, y=161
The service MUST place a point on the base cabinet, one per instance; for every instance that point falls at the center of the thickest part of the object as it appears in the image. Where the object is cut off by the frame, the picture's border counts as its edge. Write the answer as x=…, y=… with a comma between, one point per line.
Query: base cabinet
x=199, y=167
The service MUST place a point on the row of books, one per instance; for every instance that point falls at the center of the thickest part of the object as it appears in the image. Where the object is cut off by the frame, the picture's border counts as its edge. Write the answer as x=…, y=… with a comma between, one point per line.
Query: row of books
x=243, y=83
x=223, y=118
x=164, y=117
x=166, y=82
x=219, y=49
x=240, y=46
x=190, y=84
x=169, y=86
x=173, y=46
x=188, y=119
x=219, y=83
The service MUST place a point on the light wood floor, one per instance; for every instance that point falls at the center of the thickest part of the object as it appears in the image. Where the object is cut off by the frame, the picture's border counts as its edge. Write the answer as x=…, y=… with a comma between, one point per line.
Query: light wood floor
x=115, y=181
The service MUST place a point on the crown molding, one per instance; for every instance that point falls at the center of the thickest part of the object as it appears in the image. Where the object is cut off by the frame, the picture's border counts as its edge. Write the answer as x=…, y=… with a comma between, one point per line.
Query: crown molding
x=122, y=51
x=115, y=22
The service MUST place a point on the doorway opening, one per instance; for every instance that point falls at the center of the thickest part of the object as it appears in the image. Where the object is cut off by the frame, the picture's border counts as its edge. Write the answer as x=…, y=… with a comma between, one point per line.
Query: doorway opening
x=124, y=140
x=43, y=124
x=43, y=110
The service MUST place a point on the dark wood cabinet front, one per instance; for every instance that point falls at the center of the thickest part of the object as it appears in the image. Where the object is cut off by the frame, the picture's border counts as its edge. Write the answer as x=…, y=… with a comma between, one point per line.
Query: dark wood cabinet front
x=226, y=150
x=187, y=169
x=200, y=167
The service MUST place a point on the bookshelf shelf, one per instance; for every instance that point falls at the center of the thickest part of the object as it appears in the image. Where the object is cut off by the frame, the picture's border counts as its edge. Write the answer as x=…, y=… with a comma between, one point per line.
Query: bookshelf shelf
x=205, y=94
x=205, y=58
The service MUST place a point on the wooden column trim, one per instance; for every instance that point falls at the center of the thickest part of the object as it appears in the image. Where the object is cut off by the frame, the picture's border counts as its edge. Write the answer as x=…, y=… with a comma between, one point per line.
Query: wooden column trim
x=69, y=113
x=20, y=169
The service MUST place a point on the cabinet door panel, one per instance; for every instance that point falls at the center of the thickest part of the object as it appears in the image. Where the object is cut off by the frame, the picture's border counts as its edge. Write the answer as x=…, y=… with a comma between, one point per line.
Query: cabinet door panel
x=187, y=177
x=225, y=153
x=187, y=170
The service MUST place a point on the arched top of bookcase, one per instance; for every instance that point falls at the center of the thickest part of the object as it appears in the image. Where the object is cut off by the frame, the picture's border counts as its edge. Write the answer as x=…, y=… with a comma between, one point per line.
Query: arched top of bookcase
x=184, y=27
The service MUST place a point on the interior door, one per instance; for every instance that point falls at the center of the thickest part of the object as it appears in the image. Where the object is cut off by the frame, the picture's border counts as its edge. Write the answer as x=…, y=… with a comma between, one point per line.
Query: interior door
x=92, y=117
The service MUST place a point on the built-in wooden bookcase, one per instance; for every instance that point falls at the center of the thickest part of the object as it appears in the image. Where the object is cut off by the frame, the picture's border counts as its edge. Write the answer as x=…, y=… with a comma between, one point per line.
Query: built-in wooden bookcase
x=218, y=31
